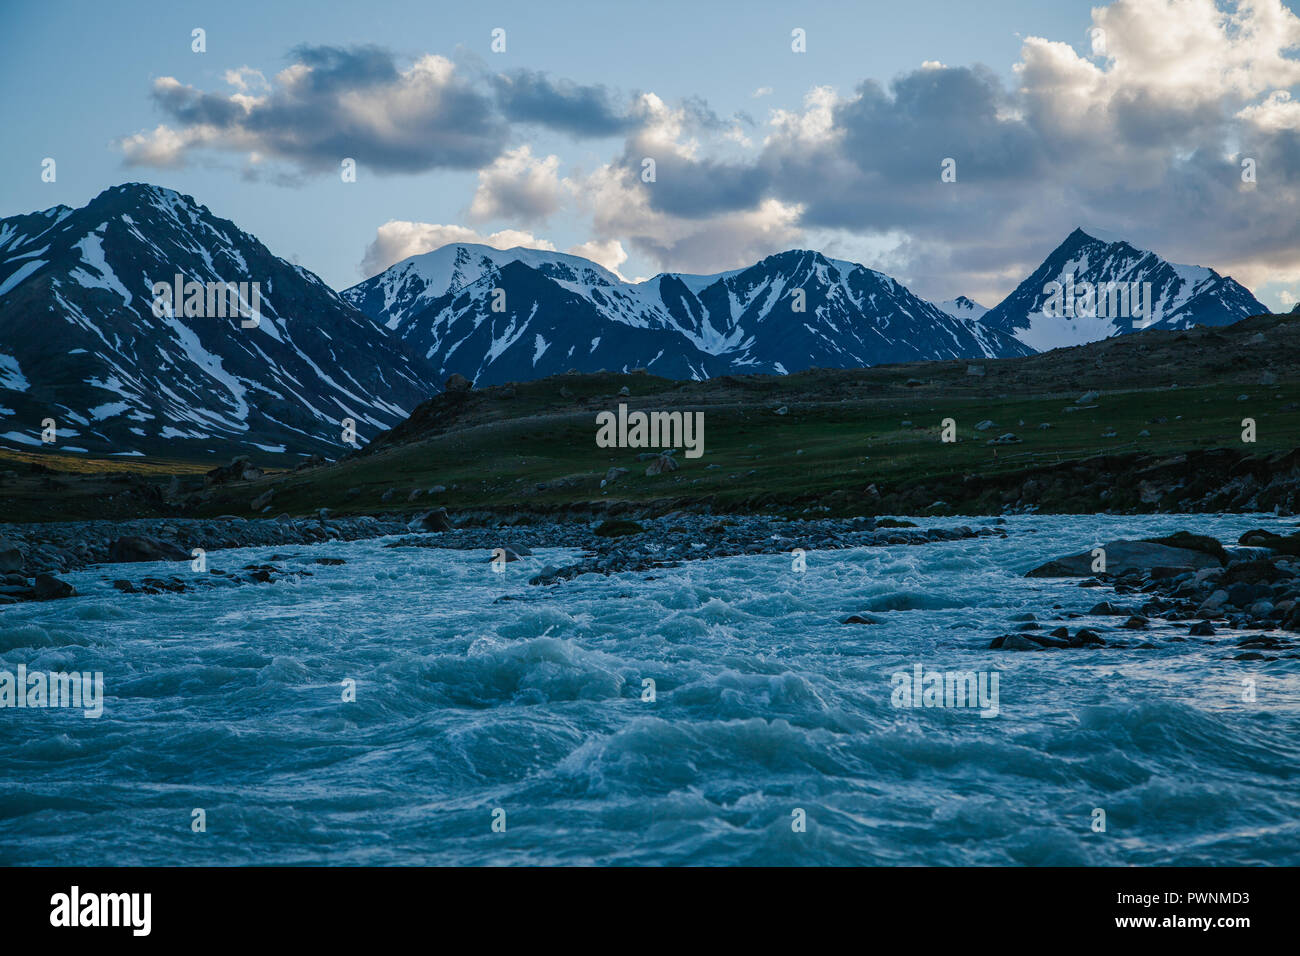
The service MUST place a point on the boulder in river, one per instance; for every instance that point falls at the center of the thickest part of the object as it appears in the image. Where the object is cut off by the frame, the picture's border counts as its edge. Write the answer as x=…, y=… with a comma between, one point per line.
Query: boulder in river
x=1289, y=544
x=1124, y=556
x=50, y=588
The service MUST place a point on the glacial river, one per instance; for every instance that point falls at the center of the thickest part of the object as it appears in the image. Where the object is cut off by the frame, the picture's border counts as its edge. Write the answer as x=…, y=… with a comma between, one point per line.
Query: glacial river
x=499, y=723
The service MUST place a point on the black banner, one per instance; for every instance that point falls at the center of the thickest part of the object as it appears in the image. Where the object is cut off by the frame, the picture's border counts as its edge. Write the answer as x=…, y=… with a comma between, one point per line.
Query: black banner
x=335, y=905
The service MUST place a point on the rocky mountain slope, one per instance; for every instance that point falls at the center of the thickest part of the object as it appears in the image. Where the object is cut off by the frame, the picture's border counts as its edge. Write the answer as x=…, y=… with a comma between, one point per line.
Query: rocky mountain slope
x=82, y=343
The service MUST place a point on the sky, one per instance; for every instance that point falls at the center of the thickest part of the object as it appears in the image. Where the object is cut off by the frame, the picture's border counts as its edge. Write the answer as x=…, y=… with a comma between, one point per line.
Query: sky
x=1174, y=124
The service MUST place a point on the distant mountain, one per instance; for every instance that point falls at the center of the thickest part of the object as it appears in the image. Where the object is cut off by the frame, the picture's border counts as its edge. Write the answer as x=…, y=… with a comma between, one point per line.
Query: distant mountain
x=85, y=341
x=963, y=308
x=1043, y=318
x=792, y=311
x=80, y=341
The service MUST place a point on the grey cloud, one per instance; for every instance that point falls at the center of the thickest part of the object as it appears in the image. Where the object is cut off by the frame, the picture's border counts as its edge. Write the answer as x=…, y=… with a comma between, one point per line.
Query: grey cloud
x=526, y=96
x=352, y=102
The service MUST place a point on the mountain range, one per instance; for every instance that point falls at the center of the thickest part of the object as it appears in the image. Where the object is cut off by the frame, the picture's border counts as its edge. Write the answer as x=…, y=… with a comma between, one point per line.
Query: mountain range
x=86, y=340
x=791, y=311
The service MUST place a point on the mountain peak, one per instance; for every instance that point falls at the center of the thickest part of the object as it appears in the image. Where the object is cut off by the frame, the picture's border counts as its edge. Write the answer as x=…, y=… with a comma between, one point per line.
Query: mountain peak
x=144, y=192
x=1095, y=286
x=963, y=307
x=123, y=379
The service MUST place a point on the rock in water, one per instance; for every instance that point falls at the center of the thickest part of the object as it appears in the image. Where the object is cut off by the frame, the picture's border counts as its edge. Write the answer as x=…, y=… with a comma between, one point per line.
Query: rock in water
x=1290, y=544
x=1124, y=556
x=50, y=588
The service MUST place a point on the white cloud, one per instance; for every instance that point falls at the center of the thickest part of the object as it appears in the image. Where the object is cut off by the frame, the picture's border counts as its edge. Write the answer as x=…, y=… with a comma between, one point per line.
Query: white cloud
x=517, y=187
x=606, y=252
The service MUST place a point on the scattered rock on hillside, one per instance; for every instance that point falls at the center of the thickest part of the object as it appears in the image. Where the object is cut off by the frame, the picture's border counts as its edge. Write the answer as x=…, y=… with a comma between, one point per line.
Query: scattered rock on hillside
x=662, y=464
x=231, y=472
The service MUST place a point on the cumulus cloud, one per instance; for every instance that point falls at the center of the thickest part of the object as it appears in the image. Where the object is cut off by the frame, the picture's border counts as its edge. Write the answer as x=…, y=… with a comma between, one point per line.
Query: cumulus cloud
x=517, y=187
x=332, y=103
x=396, y=240
x=608, y=253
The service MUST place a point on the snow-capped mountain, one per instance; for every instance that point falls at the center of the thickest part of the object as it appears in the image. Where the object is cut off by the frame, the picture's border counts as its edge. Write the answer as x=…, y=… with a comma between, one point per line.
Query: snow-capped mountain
x=83, y=341
x=792, y=311
x=963, y=308
x=1088, y=289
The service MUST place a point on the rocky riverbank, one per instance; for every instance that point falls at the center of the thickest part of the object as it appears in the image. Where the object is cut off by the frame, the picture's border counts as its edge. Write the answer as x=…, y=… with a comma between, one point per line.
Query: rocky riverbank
x=625, y=545
x=1191, y=581
x=31, y=555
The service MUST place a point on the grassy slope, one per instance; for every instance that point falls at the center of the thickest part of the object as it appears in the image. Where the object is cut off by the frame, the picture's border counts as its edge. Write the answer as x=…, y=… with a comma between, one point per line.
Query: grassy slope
x=843, y=431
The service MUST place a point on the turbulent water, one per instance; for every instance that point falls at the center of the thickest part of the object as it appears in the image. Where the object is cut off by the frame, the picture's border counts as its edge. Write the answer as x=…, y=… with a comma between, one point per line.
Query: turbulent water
x=482, y=699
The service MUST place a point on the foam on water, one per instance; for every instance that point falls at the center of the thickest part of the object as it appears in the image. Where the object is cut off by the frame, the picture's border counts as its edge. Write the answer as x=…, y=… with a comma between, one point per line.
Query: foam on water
x=476, y=691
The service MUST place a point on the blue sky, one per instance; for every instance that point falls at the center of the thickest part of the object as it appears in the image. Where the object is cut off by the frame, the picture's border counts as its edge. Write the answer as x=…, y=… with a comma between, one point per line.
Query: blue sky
x=1138, y=140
